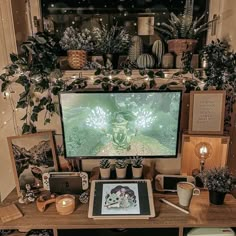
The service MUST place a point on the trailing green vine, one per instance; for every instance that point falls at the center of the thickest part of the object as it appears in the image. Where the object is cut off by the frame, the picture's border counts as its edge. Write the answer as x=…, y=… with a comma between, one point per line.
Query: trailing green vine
x=36, y=70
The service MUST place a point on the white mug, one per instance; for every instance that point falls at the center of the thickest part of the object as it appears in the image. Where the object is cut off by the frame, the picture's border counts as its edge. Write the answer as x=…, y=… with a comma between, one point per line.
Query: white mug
x=185, y=191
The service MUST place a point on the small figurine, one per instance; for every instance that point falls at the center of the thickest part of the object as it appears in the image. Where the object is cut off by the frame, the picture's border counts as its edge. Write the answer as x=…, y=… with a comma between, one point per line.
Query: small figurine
x=30, y=196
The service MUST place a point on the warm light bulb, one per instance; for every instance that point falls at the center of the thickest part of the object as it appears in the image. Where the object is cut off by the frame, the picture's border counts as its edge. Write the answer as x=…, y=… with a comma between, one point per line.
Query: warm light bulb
x=63, y=203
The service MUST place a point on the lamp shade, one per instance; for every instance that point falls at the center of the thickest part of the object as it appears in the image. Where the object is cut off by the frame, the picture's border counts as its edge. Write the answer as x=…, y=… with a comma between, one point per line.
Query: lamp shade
x=146, y=25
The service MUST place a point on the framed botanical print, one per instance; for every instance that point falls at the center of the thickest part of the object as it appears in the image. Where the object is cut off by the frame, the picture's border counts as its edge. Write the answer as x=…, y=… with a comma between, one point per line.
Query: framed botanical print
x=207, y=112
x=32, y=155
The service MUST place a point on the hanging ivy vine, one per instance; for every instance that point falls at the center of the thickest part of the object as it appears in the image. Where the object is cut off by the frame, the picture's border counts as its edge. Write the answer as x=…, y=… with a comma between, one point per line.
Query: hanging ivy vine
x=36, y=70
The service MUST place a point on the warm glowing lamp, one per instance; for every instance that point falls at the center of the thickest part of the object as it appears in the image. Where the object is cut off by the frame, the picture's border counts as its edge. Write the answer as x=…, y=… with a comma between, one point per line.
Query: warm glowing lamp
x=203, y=151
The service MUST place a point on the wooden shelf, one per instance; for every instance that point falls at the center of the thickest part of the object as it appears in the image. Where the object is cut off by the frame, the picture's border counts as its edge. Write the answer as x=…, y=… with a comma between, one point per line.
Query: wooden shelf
x=202, y=214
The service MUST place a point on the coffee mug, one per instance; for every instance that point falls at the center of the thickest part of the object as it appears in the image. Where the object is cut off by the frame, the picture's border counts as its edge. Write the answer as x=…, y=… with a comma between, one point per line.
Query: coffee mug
x=185, y=191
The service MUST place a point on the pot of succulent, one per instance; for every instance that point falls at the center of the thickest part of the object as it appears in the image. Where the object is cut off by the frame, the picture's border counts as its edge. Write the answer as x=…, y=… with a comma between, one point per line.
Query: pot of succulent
x=219, y=182
x=137, y=167
x=77, y=44
x=105, y=168
x=182, y=32
x=121, y=168
x=111, y=43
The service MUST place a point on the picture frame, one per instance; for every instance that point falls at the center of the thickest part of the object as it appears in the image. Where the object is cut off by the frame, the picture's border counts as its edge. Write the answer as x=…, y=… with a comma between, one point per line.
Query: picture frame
x=121, y=199
x=63, y=163
x=207, y=112
x=31, y=156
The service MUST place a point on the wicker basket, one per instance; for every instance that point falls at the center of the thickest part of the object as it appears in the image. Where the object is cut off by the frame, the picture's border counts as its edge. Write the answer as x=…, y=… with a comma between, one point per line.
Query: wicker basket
x=77, y=59
x=178, y=46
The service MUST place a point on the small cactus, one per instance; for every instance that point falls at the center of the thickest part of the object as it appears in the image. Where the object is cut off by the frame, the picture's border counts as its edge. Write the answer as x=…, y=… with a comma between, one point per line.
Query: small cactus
x=137, y=161
x=120, y=163
x=105, y=163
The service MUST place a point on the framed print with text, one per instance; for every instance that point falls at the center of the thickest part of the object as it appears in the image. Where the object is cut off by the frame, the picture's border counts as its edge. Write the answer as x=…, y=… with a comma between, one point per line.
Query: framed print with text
x=207, y=112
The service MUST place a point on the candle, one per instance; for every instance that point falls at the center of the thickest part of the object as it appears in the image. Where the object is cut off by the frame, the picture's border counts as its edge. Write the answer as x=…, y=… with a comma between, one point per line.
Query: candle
x=65, y=204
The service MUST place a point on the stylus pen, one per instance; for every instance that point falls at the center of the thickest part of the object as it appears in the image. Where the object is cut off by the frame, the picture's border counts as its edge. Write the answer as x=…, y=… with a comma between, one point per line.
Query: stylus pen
x=173, y=205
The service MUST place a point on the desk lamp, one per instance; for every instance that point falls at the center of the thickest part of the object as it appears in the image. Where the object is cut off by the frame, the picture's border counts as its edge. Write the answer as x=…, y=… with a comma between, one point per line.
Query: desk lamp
x=203, y=150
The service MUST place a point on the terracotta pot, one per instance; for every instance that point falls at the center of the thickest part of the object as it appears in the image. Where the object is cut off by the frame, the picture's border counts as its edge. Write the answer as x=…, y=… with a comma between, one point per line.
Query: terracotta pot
x=216, y=198
x=178, y=46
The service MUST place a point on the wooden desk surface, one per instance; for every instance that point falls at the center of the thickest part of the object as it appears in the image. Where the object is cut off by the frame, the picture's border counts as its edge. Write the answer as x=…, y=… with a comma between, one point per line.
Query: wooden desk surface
x=202, y=213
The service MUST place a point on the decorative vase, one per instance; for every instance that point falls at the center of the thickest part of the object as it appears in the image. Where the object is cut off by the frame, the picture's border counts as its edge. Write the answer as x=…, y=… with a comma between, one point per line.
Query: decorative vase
x=145, y=61
x=158, y=50
x=121, y=173
x=216, y=198
x=178, y=46
x=105, y=173
x=136, y=48
x=111, y=60
x=167, y=61
x=77, y=59
x=137, y=172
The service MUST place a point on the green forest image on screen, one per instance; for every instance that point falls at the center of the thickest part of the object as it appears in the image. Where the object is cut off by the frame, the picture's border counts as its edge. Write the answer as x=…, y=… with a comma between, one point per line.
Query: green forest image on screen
x=120, y=124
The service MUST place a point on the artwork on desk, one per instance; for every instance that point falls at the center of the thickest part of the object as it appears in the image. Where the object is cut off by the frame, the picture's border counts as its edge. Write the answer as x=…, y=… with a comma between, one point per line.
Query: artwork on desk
x=120, y=199
x=32, y=155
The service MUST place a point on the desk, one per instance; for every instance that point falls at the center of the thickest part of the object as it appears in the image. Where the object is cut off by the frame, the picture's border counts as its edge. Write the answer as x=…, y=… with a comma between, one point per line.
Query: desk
x=167, y=219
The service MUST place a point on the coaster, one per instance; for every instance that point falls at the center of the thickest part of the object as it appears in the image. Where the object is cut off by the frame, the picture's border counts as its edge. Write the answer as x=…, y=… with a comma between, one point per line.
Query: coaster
x=8, y=213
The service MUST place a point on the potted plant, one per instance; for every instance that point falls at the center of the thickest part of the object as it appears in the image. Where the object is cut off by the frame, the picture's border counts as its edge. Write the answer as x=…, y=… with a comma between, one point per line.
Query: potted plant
x=219, y=182
x=105, y=168
x=111, y=42
x=121, y=168
x=77, y=44
x=137, y=167
x=181, y=32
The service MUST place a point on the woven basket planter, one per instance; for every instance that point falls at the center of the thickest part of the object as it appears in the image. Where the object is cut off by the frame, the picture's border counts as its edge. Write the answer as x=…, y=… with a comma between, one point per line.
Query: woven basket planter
x=178, y=46
x=77, y=59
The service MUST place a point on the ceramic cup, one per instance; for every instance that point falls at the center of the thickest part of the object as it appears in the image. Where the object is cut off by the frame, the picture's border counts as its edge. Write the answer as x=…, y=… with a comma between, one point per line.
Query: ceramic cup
x=185, y=191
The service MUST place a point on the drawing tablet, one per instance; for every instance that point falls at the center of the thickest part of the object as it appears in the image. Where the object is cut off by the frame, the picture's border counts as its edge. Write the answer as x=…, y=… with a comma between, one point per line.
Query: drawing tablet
x=121, y=199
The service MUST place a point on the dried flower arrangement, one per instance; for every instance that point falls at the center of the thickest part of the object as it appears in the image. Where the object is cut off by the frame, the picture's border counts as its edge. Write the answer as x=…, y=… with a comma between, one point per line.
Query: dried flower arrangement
x=73, y=39
x=113, y=40
x=217, y=179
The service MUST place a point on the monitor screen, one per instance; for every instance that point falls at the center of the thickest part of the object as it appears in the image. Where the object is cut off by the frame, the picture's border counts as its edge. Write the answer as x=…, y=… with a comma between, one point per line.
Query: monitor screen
x=120, y=124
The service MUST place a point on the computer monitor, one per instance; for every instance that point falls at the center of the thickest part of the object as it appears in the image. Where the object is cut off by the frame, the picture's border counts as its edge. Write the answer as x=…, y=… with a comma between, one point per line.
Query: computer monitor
x=98, y=124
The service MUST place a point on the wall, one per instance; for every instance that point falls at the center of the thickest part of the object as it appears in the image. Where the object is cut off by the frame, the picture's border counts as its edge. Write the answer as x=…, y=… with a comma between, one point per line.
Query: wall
x=225, y=27
x=7, y=35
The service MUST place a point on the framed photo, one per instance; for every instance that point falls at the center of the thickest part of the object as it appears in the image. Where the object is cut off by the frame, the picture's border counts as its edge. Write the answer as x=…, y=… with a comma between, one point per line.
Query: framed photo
x=63, y=164
x=121, y=199
x=32, y=155
x=207, y=109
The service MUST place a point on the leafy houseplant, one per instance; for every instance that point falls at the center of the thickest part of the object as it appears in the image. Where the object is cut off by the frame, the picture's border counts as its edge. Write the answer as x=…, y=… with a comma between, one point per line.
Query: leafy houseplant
x=183, y=27
x=121, y=168
x=137, y=162
x=221, y=72
x=111, y=42
x=218, y=181
x=77, y=44
x=104, y=166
